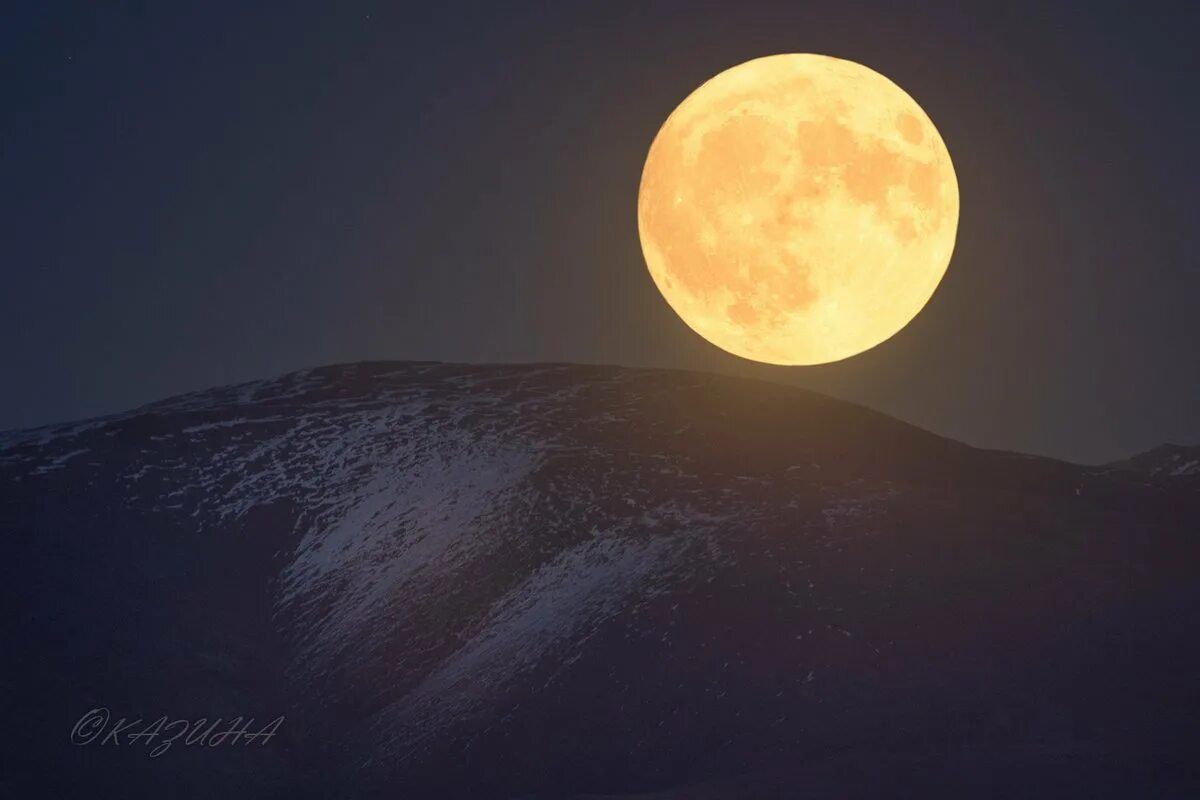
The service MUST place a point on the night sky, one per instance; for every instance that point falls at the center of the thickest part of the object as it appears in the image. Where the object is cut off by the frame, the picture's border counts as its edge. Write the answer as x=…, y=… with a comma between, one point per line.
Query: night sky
x=204, y=195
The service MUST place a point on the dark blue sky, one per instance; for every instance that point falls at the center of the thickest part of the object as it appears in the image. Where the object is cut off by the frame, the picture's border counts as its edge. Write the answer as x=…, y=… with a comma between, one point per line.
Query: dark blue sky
x=195, y=195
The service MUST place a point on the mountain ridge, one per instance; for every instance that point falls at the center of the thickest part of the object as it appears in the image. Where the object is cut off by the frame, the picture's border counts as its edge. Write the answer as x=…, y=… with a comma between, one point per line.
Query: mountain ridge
x=169, y=400
x=496, y=581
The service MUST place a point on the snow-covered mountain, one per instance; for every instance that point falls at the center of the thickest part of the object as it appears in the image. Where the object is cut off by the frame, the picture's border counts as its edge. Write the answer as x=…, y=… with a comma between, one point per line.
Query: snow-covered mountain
x=1166, y=461
x=558, y=581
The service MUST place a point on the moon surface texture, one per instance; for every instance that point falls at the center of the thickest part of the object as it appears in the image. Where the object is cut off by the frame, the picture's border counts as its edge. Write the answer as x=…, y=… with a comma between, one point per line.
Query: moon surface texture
x=798, y=209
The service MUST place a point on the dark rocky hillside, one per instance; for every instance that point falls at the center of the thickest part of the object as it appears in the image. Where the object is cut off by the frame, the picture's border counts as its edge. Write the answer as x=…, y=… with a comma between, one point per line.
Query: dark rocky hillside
x=561, y=581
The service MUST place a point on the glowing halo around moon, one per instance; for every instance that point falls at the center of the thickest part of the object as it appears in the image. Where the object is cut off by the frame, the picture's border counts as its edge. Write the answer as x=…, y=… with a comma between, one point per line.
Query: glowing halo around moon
x=798, y=209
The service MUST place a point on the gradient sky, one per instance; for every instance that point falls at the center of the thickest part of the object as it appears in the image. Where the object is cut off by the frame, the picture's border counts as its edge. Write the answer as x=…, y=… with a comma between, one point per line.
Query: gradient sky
x=201, y=195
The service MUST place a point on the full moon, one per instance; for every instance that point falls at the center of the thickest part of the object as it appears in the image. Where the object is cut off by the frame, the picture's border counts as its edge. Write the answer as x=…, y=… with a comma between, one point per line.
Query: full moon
x=798, y=209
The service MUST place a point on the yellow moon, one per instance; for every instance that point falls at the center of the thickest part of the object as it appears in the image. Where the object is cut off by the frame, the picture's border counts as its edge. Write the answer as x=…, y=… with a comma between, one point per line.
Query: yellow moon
x=798, y=209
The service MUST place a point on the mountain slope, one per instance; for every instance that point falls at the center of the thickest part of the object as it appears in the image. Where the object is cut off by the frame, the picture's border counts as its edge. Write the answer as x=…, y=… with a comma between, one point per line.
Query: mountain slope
x=1165, y=461
x=563, y=580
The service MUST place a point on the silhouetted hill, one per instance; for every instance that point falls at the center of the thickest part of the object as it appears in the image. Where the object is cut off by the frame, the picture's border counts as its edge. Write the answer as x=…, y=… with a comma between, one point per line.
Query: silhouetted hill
x=556, y=581
x=1165, y=461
